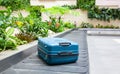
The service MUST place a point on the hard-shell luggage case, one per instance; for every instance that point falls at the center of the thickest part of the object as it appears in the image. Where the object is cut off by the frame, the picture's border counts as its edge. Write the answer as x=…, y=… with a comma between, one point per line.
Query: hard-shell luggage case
x=57, y=50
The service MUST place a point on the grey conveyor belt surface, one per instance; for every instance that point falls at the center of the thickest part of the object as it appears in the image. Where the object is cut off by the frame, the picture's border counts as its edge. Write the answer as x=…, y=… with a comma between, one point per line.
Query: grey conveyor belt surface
x=33, y=65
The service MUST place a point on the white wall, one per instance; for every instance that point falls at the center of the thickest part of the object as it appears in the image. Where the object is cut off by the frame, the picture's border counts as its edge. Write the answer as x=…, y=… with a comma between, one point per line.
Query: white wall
x=83, y=18
x=108, y=3
x=50, y=3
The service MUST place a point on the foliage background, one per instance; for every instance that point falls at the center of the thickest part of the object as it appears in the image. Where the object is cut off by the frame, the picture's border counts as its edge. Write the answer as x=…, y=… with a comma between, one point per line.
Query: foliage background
x=15, y=4
x=103, y=14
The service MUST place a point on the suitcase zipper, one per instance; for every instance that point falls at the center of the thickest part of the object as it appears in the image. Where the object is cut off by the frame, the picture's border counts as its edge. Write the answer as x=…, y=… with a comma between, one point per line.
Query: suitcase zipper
x=59, y=54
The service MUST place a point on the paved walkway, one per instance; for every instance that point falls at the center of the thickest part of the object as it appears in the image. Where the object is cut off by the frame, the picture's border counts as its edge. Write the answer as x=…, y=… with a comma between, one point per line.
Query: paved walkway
x=104, y=54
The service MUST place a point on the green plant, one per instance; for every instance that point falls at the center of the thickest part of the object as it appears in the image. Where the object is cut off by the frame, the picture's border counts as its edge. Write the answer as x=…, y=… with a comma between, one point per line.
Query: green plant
x=98, y=26
x=70, y=6
x=37, y=27
x=56, y=25
x=104, y=14
x=55, y=14
x=5, y=18
x=31, y=25
x=26, y=37
x=58, y=11
x=35, y=11
x=86, y=25
x=85, y=4
x=69, y=25
x=107, y=26
x=15, y=4
x=55, y=11
x=7, y=40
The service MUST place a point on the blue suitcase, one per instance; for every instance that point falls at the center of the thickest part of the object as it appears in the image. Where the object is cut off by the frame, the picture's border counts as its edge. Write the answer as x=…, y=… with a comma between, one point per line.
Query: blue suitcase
x=57, y=50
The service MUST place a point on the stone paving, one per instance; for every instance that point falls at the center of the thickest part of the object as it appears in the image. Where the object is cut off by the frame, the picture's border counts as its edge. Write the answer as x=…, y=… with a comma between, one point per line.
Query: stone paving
x=104, y=54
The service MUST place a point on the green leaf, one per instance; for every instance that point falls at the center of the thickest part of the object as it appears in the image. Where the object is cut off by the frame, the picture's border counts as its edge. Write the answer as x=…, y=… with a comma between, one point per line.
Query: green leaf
x=1, y=40
x=11, y=42
x=55, y=10
x=1, y=22
x=9, y=31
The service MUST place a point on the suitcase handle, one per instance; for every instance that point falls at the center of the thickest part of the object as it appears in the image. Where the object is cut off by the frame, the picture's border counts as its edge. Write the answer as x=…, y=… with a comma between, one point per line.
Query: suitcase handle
x=64, y=53
x=65, y=44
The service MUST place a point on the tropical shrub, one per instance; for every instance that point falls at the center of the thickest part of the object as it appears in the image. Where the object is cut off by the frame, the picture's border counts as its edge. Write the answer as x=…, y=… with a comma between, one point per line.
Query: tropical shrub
x=5, y=18
x=85, y=4
x=103, y=14
x=86, y=25
x=35, y=11
x=56, y=11
x=56, y=25
x=7, y=40
x=30, y=28
x=35, y=26
x=69, y=25
x=15, y=4
x=70, y=6
x=38, y=28
x=26, y=37
x=107, y=26
x=30, y=25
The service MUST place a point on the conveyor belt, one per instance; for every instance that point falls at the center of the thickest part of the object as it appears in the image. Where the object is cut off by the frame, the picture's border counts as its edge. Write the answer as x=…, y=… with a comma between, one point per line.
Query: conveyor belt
x=33, y=65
